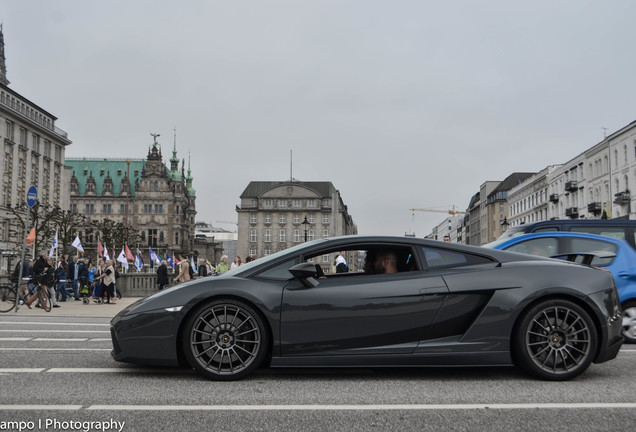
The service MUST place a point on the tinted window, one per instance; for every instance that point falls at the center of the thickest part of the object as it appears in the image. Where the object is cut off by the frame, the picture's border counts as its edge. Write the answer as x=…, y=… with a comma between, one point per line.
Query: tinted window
x=591, y=245
x=545, y=247
x=279, y=272
x=442, y=258
x=546, y=229
x=617, y=232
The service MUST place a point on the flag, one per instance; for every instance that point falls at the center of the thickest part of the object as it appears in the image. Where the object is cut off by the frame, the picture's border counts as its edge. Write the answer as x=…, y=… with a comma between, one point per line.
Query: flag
x=154, y=257
x=53, y=246
x=138, y=263
x=106, y=256
x=193, y=264
x=169, y=260
x=100, y=248
x=122, y=259
x=77, y=244
x=113, y=249
x=129, y=255
x=30, y=240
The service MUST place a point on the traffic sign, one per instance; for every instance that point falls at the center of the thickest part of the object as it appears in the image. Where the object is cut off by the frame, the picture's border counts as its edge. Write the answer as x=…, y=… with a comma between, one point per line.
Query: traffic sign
x=32, y=196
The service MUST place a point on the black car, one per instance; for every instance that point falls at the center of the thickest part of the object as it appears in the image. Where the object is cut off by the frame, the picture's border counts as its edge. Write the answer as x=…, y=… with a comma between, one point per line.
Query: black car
x=429, y=303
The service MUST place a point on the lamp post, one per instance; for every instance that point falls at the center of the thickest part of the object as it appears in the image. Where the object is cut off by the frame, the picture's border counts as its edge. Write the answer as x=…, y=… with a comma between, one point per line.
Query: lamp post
x=305, y=223
x=504, y=225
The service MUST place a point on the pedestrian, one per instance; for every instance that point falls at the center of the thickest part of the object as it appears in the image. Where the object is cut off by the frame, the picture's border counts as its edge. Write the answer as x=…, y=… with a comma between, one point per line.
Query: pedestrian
x=236, y=263
x=42, y=274
x=203, y=268
x=184, y=270
x=108, y=282
x=60, y=277
x=341, y=263
x=222, y=267
x=162, y=275
x=72, y=276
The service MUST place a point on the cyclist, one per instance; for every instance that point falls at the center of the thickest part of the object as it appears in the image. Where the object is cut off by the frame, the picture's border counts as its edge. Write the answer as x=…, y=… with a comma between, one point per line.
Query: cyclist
x=43, y=274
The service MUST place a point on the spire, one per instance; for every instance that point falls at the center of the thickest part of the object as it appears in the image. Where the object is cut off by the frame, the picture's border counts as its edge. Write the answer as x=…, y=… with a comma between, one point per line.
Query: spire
x=189, y=179
x=174, y=161
x=3, y=66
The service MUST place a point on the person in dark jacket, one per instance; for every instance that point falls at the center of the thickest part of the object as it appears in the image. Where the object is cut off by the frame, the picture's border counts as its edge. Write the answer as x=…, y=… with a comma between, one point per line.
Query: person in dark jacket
x=162, y=275
x=43, y=274
x=72, y=275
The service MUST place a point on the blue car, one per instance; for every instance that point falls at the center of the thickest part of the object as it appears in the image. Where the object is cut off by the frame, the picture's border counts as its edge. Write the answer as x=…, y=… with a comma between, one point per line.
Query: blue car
x=622, y=266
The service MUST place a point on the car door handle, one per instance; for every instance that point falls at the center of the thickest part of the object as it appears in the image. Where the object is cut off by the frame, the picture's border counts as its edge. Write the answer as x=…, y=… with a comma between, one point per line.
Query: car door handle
x=623, y=275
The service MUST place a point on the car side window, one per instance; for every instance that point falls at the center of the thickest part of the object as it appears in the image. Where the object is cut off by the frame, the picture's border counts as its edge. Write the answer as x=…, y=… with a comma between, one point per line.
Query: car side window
x=545, y=247
x=279, y=272
x=592, y=245
x=443, y=258
x=615, y=232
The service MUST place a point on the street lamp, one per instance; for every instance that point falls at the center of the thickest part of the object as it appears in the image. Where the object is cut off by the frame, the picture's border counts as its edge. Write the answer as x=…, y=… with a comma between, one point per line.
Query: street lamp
x=306, y=224
x=504, y=225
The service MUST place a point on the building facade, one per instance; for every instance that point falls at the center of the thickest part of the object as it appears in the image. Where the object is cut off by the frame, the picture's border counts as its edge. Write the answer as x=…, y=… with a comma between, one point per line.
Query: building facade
x=530, y=201
x=144, y=194
x=33, y=150
x=276, y=215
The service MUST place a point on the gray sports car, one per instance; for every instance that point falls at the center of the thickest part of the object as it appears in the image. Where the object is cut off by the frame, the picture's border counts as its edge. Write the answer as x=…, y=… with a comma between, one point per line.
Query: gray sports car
x=401, y=302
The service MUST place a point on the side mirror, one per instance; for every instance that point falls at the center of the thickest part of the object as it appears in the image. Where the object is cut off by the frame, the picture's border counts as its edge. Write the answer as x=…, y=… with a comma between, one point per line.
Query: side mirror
x=305, y=273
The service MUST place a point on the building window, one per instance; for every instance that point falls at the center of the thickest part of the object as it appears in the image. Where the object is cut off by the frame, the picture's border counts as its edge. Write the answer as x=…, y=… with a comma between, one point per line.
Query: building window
x=311, y=203
x=325, y=233
x=282, y=236
x=23, y=137
x=296, y=218
x=161, y=237
x=296, y=236
x=281, y=218
x=268, y=218
x=252, y=252
x=90, y=208
x=310, y=235
x=253, y=238
x=107, y=209
x=282, y=203
x=311, y=219
x=268, y=235
x=325, y=258
x=296, y=203
x=267, y=251
x=253, y=218
x=326, y=203
x=176, y=238
x=159, y=208
x=73, y=208
x=325, y=218
x=268, y=203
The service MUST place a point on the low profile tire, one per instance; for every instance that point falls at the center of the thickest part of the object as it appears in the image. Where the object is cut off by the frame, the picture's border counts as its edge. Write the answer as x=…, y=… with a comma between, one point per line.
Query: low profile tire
x=225, y=340
x=555, y=340
x=629, y=322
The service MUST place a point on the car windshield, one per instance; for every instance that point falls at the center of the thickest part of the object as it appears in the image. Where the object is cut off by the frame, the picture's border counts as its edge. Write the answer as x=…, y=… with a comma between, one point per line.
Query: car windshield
x=510, y=233
x=272, y=257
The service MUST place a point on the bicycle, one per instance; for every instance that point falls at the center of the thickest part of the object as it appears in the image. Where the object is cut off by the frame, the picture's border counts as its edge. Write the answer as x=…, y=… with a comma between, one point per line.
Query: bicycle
x=8, y=294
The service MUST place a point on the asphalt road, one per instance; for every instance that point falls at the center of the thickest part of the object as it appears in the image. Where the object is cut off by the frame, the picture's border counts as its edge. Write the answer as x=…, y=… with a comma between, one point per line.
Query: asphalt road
x=56, y=374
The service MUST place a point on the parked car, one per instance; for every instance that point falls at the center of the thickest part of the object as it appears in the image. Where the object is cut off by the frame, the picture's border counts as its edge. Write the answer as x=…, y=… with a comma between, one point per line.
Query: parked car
x=623, y=229
x=622, y=265
x=405, y=302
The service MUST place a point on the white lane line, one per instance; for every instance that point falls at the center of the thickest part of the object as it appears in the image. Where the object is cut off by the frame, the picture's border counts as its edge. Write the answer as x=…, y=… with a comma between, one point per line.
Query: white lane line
x=61, y=339
x=381, y=407
x=95, y=370
x=40, y=407
x=21, y=370
x=15, y=339
x=100, y=340
x=384, y=407
x=52, y=323
x=55, y=349
x=53, y=331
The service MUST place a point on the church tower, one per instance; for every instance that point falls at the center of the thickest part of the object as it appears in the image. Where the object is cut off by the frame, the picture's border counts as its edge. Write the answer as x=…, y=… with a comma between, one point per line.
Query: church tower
x=3, y=66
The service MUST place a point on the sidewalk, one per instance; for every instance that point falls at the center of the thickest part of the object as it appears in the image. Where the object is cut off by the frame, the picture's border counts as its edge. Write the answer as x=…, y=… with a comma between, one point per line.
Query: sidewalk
x=79, y=309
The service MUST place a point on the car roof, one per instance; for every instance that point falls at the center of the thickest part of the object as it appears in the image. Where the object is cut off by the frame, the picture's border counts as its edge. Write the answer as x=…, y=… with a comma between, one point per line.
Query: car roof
x=570, y=234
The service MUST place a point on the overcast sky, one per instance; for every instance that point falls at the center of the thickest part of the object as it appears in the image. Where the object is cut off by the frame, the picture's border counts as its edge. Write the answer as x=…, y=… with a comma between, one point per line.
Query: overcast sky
x=400, y=104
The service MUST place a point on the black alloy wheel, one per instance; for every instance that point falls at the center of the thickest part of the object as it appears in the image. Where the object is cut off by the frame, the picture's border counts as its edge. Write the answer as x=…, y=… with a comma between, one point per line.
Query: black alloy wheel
x=629, y=322
x=225, y=340
x=555, y=340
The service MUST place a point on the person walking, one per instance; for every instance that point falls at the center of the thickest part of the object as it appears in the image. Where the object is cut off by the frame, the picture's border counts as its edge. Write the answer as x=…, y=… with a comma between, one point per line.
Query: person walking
x=108, y=282
x=162, y=275
x=222, y=267
x=236, y=263
x=72, y=275
x=184, y=270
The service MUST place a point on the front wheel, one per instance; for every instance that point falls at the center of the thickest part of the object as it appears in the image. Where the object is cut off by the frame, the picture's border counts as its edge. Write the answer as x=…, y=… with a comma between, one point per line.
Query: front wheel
x=555, y=340
x=7, y=298
x=225, y=340
x=629, y=322
x=45, y=301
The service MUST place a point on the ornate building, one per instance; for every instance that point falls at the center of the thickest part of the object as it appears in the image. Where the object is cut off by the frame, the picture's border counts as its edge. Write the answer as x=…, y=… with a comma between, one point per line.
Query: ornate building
x=276, y=215
x=140, y=193
x=32, y=154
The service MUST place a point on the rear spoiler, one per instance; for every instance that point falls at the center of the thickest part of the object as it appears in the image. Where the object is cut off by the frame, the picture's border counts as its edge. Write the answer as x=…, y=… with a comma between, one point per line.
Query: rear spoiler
x=587, y=256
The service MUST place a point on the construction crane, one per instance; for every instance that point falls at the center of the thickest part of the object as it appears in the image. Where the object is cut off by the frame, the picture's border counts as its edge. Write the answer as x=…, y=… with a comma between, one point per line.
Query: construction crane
x=451, y=211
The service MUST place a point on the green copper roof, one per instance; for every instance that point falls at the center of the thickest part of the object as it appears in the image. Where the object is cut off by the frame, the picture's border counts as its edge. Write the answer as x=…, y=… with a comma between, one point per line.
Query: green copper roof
x=101, y=168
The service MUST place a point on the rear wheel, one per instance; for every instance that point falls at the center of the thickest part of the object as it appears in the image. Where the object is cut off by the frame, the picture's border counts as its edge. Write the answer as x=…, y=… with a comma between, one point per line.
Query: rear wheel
x=7, y=298
x=225, y=340
x=629, y=321
x=555, y=340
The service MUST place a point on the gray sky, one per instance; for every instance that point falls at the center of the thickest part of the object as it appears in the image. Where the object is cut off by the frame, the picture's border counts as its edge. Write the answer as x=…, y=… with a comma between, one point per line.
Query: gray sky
x=399, y=103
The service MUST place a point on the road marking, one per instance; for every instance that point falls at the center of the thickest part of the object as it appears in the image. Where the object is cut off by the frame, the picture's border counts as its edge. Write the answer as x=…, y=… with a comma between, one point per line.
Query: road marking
x=52, y=323
x=95, y=370
x=53, y=331
x=60, y=340
x=385, y=407
x=15, y=339
x=21, y=370
x=55, y=349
